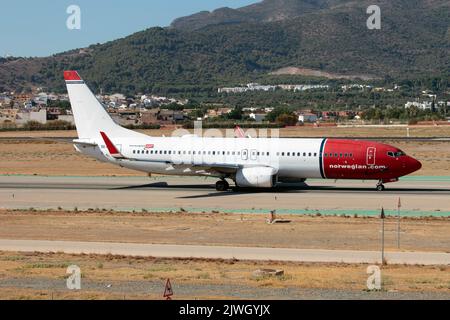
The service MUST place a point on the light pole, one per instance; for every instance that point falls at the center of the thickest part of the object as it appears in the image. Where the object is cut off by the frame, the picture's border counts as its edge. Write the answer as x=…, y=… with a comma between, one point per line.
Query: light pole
x=399, y=205
x=382, y=216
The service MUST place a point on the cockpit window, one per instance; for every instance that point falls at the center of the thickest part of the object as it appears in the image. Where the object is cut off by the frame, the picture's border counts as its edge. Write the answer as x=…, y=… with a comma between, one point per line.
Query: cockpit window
x=396, y=154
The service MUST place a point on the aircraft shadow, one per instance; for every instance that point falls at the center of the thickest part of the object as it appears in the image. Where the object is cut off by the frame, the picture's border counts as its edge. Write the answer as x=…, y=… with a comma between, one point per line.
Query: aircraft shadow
x=291, y=188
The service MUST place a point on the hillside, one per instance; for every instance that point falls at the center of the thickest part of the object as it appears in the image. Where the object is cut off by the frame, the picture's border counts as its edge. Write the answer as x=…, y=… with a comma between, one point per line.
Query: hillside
x=265, y=11
x=328, y=36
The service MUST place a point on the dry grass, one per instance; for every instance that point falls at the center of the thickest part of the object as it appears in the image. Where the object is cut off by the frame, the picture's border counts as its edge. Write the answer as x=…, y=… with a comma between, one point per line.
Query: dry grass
x=197, y=272
x=325, y=232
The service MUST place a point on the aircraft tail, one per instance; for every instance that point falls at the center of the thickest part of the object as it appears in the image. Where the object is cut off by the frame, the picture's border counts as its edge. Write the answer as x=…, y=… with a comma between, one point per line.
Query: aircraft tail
x=89, y=114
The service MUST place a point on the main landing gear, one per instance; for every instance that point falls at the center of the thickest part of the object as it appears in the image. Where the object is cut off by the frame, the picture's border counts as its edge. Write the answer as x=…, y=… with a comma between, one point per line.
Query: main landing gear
x=380, y=186
x=222, y=185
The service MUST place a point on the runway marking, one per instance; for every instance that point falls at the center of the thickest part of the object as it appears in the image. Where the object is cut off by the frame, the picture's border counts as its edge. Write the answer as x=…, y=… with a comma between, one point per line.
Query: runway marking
x=222, y=252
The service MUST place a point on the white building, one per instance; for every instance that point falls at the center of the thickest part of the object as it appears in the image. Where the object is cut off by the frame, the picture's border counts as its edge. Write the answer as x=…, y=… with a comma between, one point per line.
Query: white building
x=307, y=117
x=426, y=105
x=39, y=116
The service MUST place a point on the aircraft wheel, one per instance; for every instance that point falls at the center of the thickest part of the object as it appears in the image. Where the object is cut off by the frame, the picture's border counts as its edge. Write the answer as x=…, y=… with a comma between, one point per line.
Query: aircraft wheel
x=380, y=187
x=222, y=185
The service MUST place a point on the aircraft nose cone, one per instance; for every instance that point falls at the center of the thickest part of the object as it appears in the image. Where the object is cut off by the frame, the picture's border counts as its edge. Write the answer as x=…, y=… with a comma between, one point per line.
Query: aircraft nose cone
x=413, y=165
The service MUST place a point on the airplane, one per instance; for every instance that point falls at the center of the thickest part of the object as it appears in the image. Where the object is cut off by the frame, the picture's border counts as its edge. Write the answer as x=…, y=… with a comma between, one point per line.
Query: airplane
x=249, y=163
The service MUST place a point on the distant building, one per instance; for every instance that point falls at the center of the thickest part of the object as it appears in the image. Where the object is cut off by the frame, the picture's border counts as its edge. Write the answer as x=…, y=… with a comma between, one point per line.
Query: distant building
x=426, y=105
x=8, y=115
x=67, y=117
x=150, y=116
x=307, y=117
x=25, y=116
x=258, y=117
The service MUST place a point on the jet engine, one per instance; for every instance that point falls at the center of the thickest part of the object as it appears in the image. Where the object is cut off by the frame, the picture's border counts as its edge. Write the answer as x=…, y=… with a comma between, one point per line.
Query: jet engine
x=256, y=177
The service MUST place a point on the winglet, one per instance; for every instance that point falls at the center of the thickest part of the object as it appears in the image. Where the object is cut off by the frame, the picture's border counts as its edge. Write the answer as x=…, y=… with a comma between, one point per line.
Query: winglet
x=239, y=132
x=71, y=75
x=111, y=147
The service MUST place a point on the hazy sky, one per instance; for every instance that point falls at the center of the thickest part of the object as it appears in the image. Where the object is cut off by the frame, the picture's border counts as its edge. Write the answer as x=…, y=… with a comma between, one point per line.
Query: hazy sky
x=38, y=28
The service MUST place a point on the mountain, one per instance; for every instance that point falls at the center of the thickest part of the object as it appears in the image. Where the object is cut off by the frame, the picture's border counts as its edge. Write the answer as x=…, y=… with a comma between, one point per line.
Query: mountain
x=200, y=52
x=265, y=11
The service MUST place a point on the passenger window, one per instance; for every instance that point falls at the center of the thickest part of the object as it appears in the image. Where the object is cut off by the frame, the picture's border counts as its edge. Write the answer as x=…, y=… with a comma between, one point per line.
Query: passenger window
x=351, y=155
x=298, y=154
x=268, y=154
x=282, y=154
x=309, y=154
x=346, y=155
x=335, y=155
x=304, y=154
x=315, y=154
x=278, y=154
x=288, y=154
x=134, y=151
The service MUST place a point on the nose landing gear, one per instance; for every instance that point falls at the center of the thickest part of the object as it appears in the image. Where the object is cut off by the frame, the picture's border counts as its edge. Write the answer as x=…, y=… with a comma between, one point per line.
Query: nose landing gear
x=380, y=186
x=222, y=185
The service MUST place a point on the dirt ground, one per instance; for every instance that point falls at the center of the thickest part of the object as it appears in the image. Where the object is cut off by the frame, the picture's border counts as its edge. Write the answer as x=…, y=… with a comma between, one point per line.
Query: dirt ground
x=303, y=232
x=43, y=276
x=37, y=157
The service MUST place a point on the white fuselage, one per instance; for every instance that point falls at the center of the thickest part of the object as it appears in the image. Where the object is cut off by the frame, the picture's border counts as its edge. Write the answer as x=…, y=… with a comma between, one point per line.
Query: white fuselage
x=292, y=158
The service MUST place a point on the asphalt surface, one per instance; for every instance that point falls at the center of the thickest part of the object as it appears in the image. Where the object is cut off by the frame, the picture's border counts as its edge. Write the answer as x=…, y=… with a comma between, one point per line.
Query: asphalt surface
x=222, y=252
x=194, y=193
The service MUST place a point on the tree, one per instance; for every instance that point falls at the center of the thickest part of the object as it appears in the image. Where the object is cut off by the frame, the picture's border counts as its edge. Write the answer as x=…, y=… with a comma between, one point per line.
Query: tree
x=235, y=114
x=287, y=119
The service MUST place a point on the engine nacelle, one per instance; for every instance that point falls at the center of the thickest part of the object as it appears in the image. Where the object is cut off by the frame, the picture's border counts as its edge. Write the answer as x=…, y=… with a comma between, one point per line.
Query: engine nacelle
x=256, y=177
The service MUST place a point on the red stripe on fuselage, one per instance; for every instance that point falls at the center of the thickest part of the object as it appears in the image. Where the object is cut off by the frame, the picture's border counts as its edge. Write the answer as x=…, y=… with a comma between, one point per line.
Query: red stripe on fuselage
x=365, y=160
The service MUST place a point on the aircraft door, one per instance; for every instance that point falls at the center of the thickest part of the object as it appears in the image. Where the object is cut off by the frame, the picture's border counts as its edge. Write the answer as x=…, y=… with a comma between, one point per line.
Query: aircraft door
x=244, y=154
x=371, y=154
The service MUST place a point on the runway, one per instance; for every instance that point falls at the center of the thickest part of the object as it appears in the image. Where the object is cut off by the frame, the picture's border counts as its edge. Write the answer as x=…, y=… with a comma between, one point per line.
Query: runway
x=426, y=196
x=222, y=252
